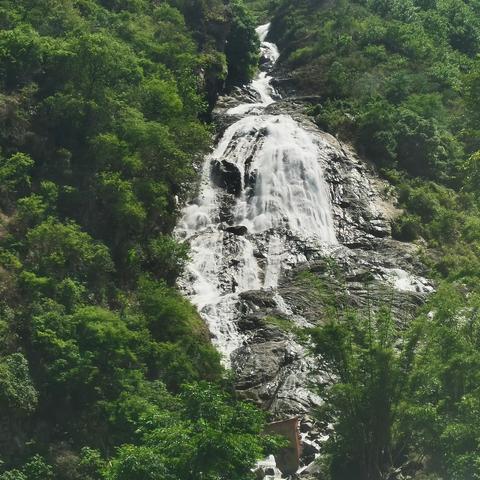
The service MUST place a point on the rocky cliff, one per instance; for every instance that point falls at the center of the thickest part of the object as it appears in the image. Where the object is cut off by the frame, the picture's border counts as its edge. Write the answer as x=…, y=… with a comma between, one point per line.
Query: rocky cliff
x=288, y=224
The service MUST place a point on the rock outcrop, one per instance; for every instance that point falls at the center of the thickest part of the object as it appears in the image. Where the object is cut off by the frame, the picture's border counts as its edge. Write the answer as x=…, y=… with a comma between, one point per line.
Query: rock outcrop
x=272, y=255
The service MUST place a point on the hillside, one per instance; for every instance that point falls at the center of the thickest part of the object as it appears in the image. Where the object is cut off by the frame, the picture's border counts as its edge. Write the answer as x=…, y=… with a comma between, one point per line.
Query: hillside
x=399, y=80
x=103, y=364
x=213, y=227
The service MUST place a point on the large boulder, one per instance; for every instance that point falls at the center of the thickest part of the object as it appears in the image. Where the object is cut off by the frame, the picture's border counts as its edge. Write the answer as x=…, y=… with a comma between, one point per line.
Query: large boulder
x=239, y=230
x=226, y=175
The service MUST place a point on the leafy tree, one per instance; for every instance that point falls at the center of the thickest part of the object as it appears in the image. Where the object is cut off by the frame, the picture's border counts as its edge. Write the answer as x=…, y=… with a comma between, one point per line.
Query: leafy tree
x=359, y=355
x=100, y=129
x=58, y=251
x=444, y=387
x=17, y=393
x=15, y=176
x=390, y=73
x=166, y=258
x=402, y=400
x=210, y=437
x=84, y=354
x=34, y=469
x=472, y=168
x=242, y=46
x=21, y=55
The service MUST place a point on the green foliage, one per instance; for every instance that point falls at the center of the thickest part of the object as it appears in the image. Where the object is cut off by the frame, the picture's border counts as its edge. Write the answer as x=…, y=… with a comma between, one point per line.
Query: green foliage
x=448, y=220
x=402, y=399
x=21, y=55
x=472, y=173
x=14, y=176
x=34, y=469
x=17, y=393
x=58, y=250
x=359, y=353
x=259, y=9
x=105, y=100
x=407, y=228
x=88, y=355
x=444, y=387
x=390, y=75
x=100, y=107
x=401, y=80
x=242, y=46
x=166, y=257
x=183, y=353
x=208, y=436
x=280, y=323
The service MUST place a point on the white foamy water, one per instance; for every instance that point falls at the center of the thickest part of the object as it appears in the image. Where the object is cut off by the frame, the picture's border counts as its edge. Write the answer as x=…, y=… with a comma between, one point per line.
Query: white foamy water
x=283, y=193
x=286, y=185
x=403, y=281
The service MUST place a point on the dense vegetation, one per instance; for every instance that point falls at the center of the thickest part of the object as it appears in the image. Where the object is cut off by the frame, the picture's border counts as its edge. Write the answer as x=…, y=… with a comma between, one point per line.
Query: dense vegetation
x=260, y=10
x=105, y=371
x=400, y=402
x=400, y=79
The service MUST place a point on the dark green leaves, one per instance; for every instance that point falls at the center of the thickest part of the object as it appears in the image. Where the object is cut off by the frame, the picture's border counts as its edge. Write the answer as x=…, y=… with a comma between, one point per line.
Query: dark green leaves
x=209, y=436
x=242, y=46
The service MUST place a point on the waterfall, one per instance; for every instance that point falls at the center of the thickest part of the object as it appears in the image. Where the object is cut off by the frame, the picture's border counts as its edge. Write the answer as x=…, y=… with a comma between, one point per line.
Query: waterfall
x=262, y=185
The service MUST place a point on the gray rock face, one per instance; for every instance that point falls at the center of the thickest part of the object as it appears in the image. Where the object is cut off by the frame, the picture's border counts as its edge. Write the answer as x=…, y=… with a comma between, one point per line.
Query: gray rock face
x=256, y=283
x=366, y=268
x=227, y=176
x=237, y=230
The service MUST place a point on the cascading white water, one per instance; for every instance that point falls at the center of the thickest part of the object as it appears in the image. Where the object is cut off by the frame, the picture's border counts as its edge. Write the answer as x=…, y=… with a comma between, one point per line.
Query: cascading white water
x=288, y=188
x=282, y=193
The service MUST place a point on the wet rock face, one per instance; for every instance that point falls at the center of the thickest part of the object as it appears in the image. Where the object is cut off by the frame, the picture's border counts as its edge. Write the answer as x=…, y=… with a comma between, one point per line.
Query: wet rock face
x=366, y=268
x=227, y=176
x=237, y=230
x=289, y=223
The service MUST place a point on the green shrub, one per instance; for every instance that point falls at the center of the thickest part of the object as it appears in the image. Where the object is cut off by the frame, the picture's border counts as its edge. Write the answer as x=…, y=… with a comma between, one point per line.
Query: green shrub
x=407, y=228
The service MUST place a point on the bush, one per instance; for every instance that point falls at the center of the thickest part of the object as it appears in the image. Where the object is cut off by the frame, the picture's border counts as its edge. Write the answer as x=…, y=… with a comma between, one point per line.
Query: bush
x=17, y=392
x=407, y=228
x=209, y=435
x=242, y=46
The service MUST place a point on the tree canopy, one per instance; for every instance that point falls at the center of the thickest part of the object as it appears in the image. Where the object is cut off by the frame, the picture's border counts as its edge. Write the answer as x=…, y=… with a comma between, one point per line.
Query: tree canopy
x=102, y=109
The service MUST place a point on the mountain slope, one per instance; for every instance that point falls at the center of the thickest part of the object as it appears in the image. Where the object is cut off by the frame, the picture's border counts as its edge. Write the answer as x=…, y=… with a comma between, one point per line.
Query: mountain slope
x=399, y=80
x=99, y=116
